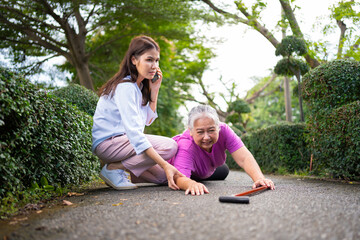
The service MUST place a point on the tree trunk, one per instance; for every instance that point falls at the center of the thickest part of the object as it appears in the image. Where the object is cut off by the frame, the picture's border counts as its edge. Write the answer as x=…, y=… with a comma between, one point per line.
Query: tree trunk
x=287, y=97
x=298, y=76
x=83, y=73
x=343, y=28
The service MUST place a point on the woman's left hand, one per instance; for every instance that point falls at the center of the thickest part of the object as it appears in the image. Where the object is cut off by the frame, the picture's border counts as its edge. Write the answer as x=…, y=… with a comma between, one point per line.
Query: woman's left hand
x=264, y=182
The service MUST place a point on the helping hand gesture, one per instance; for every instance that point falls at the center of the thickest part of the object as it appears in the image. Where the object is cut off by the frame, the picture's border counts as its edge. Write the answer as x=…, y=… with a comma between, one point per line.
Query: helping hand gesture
x=171, y=173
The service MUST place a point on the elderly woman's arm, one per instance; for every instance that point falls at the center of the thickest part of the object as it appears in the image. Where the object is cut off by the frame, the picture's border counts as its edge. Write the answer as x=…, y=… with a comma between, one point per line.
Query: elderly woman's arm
x=246, y=160
x=191, y=186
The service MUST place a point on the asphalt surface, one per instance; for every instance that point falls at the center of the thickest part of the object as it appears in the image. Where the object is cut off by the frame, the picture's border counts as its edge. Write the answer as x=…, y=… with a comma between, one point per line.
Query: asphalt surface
x=297, y=209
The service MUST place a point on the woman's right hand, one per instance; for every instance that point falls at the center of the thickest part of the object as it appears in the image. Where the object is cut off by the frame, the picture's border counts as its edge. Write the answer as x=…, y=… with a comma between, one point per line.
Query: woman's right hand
x=196, y=188
x=171, y=173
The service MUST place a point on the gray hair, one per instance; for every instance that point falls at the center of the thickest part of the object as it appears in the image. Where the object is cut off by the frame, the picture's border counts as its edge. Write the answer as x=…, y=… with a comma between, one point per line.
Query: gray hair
x=201, y=111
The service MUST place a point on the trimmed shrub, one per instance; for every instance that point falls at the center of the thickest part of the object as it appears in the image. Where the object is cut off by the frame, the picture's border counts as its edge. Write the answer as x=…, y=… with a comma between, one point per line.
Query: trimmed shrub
x=332, y=85
x=277, y=149
x=85, y=99
x=41, y=137
x=334, y=138
x=332, y=92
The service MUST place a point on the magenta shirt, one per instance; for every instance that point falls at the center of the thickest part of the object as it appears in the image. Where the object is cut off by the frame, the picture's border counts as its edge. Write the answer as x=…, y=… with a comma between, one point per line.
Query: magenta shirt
x=191, y=160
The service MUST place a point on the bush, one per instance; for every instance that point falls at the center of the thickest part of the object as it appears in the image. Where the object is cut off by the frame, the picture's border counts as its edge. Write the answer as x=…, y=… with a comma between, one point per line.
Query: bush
x=332, y=85
x=41, y=137
x=335, y=142
x=278, y=148
x=85, y=99
x=332, y=92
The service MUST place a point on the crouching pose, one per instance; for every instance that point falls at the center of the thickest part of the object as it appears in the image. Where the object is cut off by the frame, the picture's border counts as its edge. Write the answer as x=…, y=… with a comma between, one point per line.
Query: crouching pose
x=127, y=103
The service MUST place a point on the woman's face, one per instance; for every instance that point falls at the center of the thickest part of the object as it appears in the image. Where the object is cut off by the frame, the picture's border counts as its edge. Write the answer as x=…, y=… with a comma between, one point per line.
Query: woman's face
x=147, y=64
x=205, y=133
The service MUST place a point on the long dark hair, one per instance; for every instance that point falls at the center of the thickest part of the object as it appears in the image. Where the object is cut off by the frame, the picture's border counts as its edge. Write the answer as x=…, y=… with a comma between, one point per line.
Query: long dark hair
x=137, y=47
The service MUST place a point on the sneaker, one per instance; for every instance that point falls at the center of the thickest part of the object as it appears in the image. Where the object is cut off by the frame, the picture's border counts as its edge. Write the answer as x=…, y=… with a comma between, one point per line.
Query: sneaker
x=117, y=179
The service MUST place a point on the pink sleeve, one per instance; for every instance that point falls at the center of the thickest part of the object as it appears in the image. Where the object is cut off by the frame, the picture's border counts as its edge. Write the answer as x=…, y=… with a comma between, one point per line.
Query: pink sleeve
x=184, y=161
x=233, y=141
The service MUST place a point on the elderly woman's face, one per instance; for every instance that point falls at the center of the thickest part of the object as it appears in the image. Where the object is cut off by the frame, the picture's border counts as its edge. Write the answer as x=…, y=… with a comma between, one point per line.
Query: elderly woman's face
x=205, y=133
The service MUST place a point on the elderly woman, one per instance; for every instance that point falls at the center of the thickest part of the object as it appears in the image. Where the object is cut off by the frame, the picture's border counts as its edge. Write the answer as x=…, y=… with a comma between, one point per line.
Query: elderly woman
x=201, y=153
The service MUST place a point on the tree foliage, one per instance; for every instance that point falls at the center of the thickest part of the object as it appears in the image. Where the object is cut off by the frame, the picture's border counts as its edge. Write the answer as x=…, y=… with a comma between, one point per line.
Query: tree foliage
x=284, y=66
x=289, y=65
x=90, y=35
x=251, y=15
x=347, y=18
x=236, y=110
x=291, y=45
x=93, y=36
x=268, y=108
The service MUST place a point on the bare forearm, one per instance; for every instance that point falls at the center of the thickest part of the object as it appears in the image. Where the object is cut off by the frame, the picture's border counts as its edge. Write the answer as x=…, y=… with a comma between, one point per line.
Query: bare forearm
x=245, y=160
x=170, y=171
x=153, y=103
x=156, y=157
x=183, y=182
x=252, y=169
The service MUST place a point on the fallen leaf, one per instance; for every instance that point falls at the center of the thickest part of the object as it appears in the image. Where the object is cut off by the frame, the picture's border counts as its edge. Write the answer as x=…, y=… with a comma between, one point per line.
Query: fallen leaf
x=20, y=219
x=40, y=211
x=74, y=194
x=13, y=222
x=123, y=199
x=67, y=203
x=118, y=204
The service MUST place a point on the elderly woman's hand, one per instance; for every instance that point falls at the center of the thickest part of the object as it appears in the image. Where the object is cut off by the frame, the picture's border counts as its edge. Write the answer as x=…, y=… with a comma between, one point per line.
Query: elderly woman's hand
x=196, y=188
x=264, y=182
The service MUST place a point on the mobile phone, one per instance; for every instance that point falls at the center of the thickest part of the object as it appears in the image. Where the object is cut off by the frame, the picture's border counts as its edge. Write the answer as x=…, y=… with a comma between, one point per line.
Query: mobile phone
x=156, y=77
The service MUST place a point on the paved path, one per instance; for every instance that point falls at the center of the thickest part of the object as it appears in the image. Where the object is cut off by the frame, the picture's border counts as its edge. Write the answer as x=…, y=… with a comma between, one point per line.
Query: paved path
x=297, y=209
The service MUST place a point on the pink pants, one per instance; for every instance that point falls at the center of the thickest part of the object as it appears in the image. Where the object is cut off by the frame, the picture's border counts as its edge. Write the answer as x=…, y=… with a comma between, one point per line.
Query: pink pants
x=119, y=149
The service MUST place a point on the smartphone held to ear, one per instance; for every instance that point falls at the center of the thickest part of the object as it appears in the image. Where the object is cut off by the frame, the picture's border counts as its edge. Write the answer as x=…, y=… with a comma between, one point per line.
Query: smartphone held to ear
x=156, y=77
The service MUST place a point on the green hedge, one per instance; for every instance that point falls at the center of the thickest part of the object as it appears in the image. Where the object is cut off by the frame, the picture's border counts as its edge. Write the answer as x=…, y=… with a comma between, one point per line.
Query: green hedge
x=41, y=137
x=332, y=93
x=334, y=138
x=85, y=99
x=332, y=85
x=277, y=149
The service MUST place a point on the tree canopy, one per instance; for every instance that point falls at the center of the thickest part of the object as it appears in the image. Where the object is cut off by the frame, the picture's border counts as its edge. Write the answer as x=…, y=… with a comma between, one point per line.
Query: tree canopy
x=93, y=36
x=251, y=14
x=90, y=35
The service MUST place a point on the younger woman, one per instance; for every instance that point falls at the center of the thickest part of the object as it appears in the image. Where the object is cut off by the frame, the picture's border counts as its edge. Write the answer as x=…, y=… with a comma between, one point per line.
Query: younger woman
x=127, y=103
